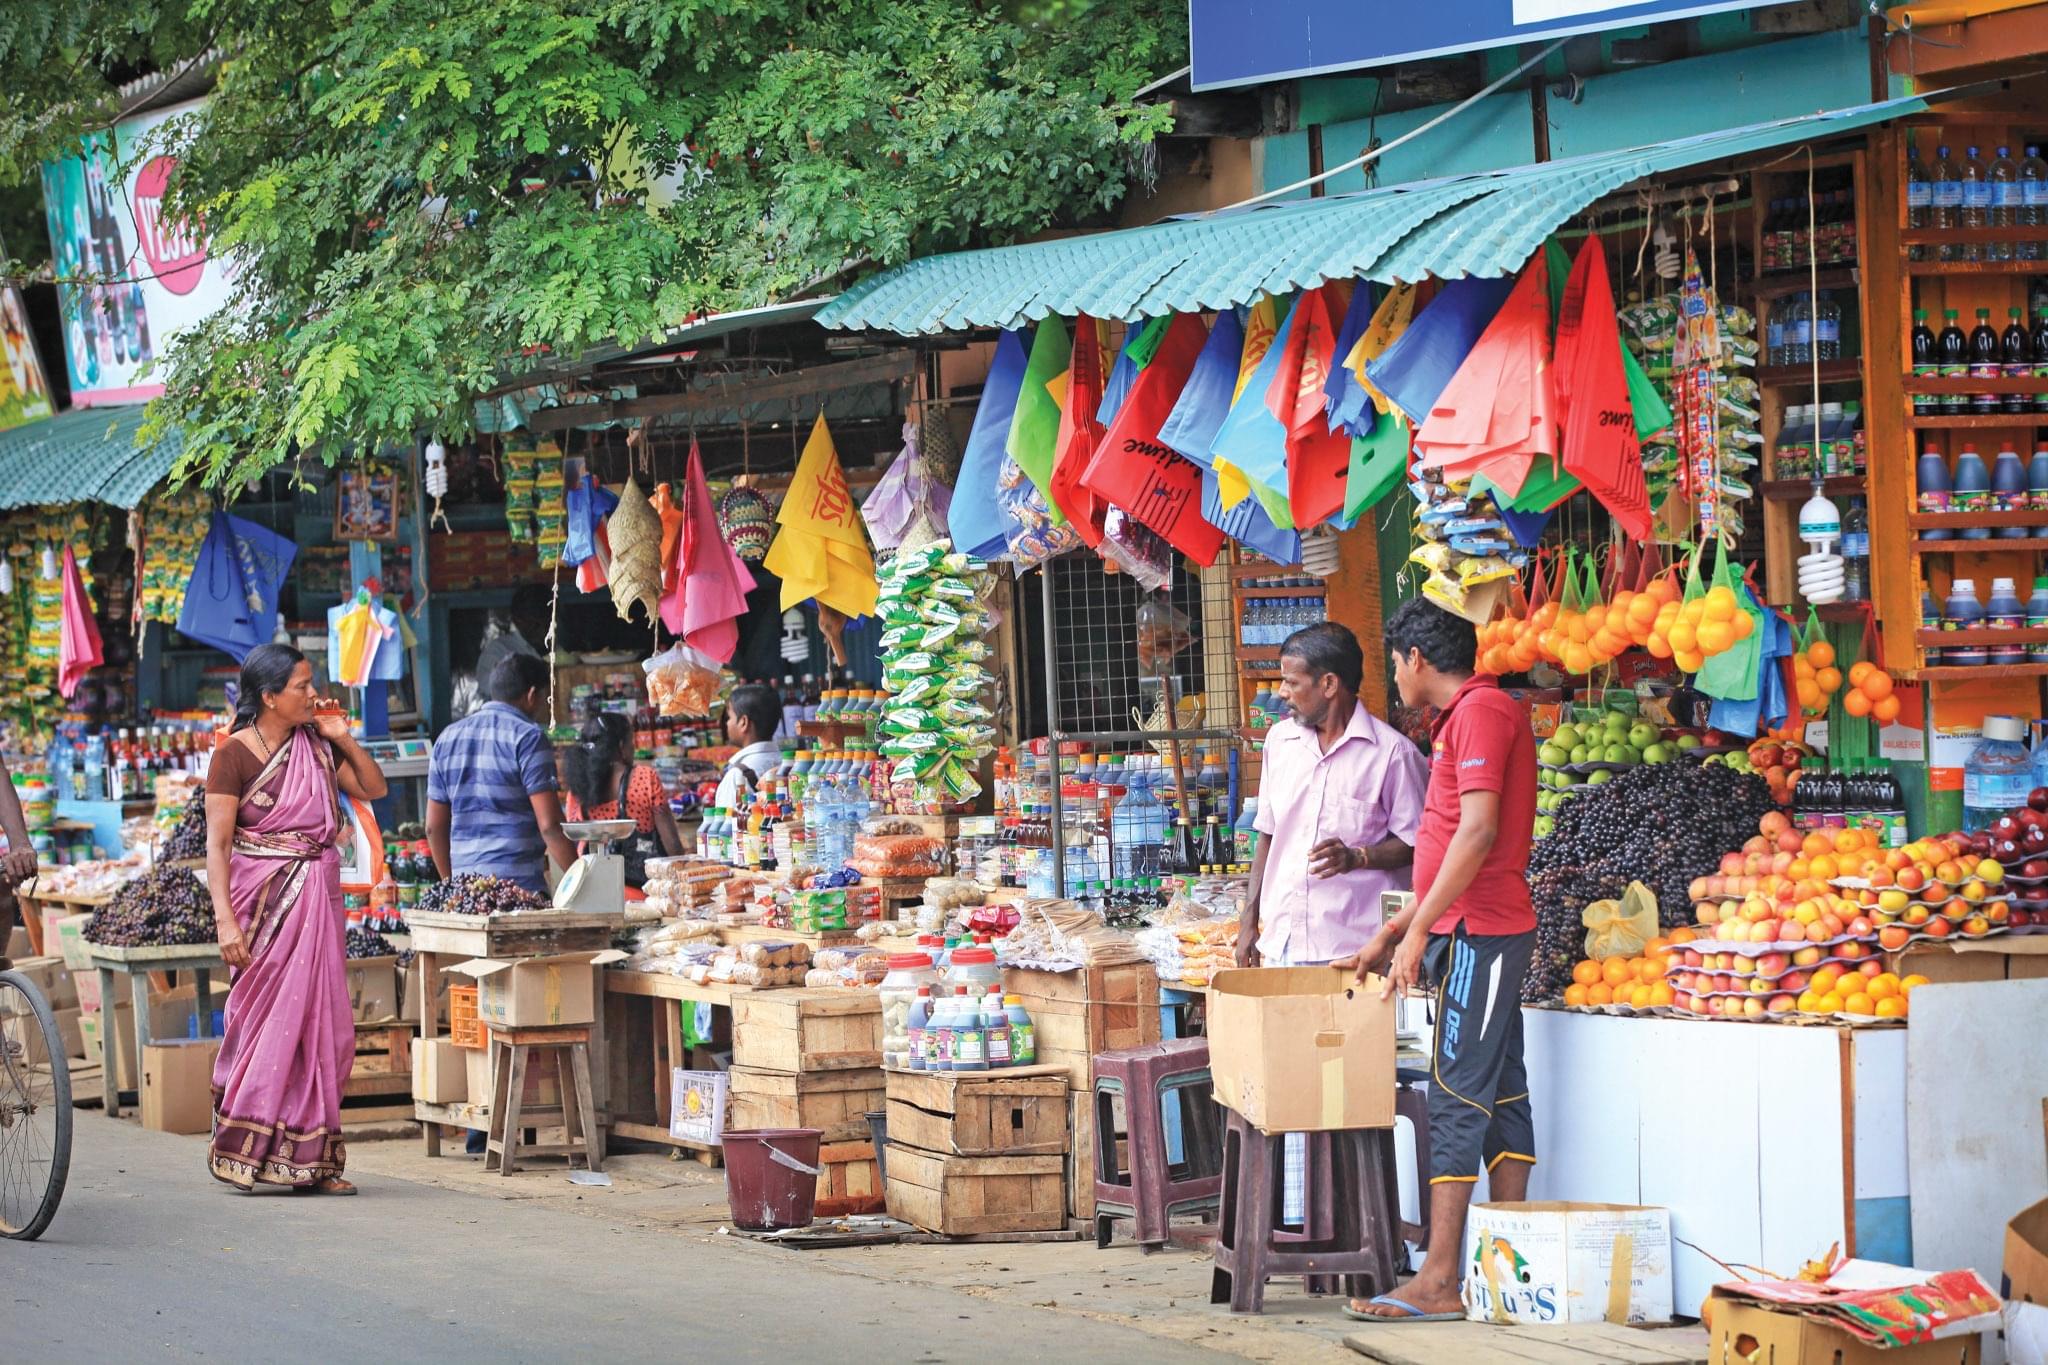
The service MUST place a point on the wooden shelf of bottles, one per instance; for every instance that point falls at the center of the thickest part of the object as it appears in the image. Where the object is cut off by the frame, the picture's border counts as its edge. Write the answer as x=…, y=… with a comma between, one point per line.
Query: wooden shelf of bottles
x=1845, y=370
x=2028, y=544
x=1799, y=490
x=1251, y=581
x=1899, y=434
x=1784, y=385
x=1961, y=673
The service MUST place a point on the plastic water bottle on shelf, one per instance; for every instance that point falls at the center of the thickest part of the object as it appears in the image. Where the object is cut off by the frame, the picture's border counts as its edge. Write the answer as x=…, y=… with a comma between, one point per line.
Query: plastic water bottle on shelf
x=1919, y=199
x=1999, y=773
x=2033, y=201
x=1976, y=203
x=1799, y=330
x=1947, y=199
x=2037, y=619
x=1856, y=552
x=2004, y=177
x=57, y=766
x=1827, y=328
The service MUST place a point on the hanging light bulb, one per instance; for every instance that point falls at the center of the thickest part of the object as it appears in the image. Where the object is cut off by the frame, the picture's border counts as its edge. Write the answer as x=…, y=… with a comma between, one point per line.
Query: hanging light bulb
x=48, y=571
x=1665, y=259
x=436, y=479
x=437, y=468
x=1319, y=554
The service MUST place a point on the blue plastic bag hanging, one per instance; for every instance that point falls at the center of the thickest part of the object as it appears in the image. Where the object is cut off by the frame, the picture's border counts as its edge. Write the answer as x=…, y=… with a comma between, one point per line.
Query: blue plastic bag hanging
x=224, y=607
x=587, y=504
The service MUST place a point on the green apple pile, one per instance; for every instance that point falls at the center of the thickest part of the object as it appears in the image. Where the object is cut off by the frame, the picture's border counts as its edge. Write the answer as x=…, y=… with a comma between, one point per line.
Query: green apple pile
x=1616, y=738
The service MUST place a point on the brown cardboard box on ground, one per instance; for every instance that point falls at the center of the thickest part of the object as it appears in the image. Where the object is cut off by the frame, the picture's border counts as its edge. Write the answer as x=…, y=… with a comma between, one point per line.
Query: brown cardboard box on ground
x=52, y=978
x=373, y=989
x=20, y=1027
x=120, y=1021
x=440, y=1072
x=1743, y=1332
x=476, y=1065
x=536, y=992
x=177, y=1085
x=1302, y=1049
x=170, y=1014
x=1988, y=959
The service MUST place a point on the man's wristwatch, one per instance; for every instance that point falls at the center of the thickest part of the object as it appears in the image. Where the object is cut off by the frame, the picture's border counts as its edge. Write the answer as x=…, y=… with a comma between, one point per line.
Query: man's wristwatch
x=1363, y=859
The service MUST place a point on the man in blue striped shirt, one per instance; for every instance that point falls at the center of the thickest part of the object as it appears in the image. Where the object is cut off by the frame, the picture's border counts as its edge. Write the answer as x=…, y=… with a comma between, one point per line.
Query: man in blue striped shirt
x=491, y=786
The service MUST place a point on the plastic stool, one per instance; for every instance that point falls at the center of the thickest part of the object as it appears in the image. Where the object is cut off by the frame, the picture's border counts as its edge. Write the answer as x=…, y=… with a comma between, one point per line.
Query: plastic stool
x=1158, y=1083
x=577, y=1114
x=1355, y=1204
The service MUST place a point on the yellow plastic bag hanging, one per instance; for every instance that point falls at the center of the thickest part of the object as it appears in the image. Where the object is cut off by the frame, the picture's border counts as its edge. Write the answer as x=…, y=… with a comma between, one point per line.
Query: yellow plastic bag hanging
x=1621, y=928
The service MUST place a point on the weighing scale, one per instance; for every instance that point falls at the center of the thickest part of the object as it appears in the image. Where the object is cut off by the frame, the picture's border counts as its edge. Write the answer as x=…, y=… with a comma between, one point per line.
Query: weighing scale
x=597, y=883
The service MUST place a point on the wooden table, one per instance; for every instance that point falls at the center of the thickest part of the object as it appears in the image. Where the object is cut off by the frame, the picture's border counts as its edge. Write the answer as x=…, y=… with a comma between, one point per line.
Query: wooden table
x=31, y=907
x=668, y=994
x=442, y=939
x=200, y=959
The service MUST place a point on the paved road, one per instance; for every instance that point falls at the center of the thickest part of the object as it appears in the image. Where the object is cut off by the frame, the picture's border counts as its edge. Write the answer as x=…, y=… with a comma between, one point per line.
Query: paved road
x=150, y=1259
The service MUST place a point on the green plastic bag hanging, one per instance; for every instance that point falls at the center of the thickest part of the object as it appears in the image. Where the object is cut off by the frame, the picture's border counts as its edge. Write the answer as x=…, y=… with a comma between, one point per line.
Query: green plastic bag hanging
x=1731, y=675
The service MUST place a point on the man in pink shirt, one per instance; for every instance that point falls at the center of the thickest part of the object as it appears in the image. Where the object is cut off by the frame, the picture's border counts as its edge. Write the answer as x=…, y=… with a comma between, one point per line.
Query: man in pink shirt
x=1340, y=800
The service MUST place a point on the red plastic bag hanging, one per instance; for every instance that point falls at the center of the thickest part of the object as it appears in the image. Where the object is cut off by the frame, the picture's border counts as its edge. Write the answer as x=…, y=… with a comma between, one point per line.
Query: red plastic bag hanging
x=79, y=651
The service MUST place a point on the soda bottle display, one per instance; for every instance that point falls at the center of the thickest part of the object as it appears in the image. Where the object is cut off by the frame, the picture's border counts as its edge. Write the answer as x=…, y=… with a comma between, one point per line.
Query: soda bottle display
x=1925, y=362
x=1984, y=362
x=2016, y=360
x=1953, y=351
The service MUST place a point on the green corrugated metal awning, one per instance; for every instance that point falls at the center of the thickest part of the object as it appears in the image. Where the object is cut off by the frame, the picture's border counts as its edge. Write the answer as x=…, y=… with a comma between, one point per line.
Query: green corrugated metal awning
x=1466, y=225
x=84, y=455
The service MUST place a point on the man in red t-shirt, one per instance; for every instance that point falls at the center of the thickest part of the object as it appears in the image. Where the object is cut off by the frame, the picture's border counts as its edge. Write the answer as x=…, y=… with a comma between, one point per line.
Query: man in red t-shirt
x=1469, y=934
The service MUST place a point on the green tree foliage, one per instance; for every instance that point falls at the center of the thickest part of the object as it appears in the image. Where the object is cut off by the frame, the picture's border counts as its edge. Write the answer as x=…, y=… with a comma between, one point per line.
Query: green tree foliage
x=427, y=197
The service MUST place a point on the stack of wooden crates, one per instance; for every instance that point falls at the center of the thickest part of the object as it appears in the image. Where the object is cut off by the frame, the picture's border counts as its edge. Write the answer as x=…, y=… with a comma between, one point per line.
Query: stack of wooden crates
x=812, y=1058
x=1013, y=1150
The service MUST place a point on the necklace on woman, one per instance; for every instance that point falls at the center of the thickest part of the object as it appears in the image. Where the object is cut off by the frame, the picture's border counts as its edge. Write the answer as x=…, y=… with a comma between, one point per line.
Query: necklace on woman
x=269, y=751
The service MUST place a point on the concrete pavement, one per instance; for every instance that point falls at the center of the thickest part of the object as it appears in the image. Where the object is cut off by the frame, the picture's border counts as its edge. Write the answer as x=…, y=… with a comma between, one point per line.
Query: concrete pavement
x=149, y=1257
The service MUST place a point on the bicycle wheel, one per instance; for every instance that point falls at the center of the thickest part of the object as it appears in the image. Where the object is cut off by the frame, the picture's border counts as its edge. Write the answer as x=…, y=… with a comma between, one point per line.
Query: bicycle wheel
x=35, y=1110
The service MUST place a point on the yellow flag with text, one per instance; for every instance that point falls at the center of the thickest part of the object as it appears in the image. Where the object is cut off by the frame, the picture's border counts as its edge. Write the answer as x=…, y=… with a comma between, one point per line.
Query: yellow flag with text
x=821, y=550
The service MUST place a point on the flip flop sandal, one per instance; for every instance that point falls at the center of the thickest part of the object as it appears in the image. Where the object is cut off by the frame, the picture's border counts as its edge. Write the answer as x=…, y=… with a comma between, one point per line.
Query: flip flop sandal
x=1409, y=1312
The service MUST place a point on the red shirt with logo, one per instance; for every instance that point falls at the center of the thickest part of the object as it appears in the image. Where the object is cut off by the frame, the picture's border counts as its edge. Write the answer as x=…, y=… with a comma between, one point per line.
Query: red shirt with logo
x=1482, y=743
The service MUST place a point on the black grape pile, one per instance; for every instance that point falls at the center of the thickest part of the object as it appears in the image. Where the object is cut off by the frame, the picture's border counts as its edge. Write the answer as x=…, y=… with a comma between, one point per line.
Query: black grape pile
x=188, y=836
x=368, y=943
x=475, y=893
x=161, y=908
x=1660, y=824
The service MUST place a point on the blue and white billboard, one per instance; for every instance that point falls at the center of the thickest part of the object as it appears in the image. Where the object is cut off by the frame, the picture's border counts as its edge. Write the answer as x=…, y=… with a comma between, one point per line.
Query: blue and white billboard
x=1241, y=42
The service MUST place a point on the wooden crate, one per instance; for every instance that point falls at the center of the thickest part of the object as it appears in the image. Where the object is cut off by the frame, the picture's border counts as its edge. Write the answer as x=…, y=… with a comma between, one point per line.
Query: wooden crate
x=1075, y=1015
x=1081, y=1156
x=383, y=1062
x=963, y=1195
x=1018, y=1111
x=799, y=1031
x=836, y=1103
x=847, y=1180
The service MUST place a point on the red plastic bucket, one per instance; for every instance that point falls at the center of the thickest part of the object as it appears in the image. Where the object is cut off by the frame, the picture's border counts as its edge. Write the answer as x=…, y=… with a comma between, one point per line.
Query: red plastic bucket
x=771, y=1177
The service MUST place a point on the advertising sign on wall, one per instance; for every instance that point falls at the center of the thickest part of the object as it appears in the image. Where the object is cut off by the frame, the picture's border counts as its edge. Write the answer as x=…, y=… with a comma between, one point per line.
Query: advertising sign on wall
x=145, y=277
x=24, y=392
x=1236, y=43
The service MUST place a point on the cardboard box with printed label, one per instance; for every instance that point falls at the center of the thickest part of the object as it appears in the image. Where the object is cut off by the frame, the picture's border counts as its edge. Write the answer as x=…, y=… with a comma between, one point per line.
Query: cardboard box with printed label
x=440, y=1072
x=536, y=992
x=1302, y=1049
x=70, y=942
x=1542, y=1263
x=177, y=1085
x=476, y=1065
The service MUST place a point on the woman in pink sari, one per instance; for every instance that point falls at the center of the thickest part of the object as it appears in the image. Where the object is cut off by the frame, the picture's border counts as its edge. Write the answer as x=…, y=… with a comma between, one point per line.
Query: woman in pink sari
x=272, y=814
